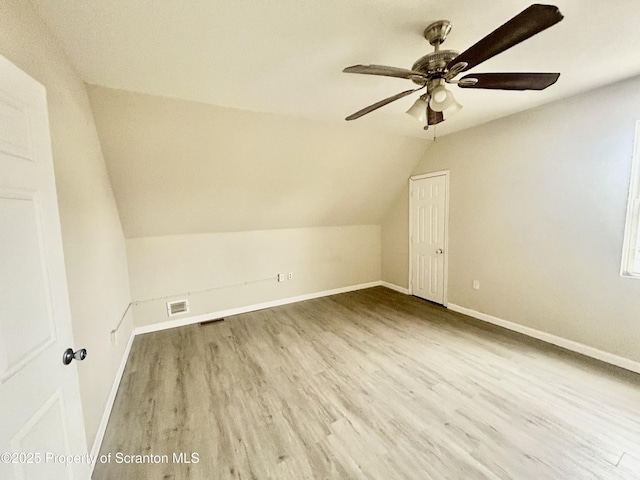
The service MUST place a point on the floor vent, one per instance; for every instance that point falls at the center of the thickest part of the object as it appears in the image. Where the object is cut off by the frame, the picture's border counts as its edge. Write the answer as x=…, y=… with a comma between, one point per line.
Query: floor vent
x=209, y=322
x=178, y=307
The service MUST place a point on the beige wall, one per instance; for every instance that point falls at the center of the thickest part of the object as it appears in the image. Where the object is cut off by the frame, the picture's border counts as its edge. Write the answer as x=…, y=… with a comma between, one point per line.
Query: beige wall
x=538, y=203
x=214, y=196
x=395, y=241
x=180, y=167
x=94, y=247
x=321, y=259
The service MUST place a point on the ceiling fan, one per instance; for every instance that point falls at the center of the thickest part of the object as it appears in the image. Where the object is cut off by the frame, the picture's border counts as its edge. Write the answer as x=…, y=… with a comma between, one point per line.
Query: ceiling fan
x=439, y=67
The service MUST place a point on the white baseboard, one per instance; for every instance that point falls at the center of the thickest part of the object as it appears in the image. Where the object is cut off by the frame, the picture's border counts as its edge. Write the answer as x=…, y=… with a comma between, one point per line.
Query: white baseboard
x=395, y=287
x=156, y=327
x=553, y=339
x=102, y=428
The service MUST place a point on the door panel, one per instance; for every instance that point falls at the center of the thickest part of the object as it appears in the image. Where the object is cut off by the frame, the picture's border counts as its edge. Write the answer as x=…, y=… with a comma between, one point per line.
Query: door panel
x=428, y=238
x=15, y=128
x=46, y=433
x=40, y=414
x=22, y=253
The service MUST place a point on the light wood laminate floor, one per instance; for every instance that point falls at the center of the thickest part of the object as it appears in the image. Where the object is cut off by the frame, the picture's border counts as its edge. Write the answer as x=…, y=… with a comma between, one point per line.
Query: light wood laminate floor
x=370, y=384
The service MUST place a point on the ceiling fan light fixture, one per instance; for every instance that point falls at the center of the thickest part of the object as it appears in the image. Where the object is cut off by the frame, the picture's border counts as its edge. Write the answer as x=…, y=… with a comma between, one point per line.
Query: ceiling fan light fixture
x=419, y=109
x=452, y=109
x=441, y=99
x=439, y=95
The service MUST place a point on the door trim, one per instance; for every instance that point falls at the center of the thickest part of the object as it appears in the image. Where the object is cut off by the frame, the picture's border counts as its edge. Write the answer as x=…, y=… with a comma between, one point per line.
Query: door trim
x=446, y=175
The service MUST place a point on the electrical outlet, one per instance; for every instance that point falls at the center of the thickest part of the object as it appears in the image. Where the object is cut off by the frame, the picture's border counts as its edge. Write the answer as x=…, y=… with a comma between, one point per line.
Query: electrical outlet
x=290, y=276
x=476, y=284
x=114, y=338
x=281, y=277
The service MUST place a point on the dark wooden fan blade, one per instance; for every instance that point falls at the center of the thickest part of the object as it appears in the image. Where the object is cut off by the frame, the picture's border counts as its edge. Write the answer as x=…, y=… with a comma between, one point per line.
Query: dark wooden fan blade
x=433, y=117
x=381, y=103
x=526, y=24
x=509, y=81
x=384, y=71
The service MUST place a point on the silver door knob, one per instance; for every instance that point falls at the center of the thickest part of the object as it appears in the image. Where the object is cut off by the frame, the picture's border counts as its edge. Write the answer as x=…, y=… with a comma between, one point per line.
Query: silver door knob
x=69, y=355
x=439, y=251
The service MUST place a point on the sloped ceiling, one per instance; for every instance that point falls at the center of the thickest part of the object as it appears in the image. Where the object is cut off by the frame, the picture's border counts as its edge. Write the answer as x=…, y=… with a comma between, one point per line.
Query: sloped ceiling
x=180, y=167
x=237, y=120
x=286, y=56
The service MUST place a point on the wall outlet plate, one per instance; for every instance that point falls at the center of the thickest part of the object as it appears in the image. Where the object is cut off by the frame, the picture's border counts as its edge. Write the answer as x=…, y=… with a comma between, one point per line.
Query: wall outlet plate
x=281, y=277
x=290, y=276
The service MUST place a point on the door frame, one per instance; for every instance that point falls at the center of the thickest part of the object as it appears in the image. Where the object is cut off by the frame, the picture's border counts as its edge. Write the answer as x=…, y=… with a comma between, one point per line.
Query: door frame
x=446, y=174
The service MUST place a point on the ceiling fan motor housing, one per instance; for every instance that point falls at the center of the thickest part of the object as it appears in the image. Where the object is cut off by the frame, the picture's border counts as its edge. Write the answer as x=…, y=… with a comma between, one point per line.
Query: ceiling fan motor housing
x=433, y=64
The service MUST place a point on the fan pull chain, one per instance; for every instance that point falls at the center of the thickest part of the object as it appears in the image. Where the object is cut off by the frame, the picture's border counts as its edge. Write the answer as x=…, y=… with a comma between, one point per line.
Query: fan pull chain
x=426, y=127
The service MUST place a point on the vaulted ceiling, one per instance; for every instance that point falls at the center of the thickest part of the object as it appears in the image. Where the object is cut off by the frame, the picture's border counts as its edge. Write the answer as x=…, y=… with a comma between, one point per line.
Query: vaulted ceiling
x=180, y=167
x=222, y=116
x=286, y=56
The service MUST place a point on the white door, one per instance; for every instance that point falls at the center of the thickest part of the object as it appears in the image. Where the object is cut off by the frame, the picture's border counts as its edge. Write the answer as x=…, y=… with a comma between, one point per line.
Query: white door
x=428, y=207
x=41, y=423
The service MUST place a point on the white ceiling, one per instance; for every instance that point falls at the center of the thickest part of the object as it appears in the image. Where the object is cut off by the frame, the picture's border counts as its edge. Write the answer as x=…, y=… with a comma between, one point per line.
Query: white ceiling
x=286, y=56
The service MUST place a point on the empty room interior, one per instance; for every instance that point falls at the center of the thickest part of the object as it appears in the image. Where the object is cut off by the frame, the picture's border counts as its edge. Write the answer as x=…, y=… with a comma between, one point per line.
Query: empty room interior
x=275, y=272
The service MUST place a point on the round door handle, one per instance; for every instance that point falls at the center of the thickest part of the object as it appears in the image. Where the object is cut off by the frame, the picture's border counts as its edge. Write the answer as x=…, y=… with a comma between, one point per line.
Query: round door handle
x=439, y=251
x=69, y=355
